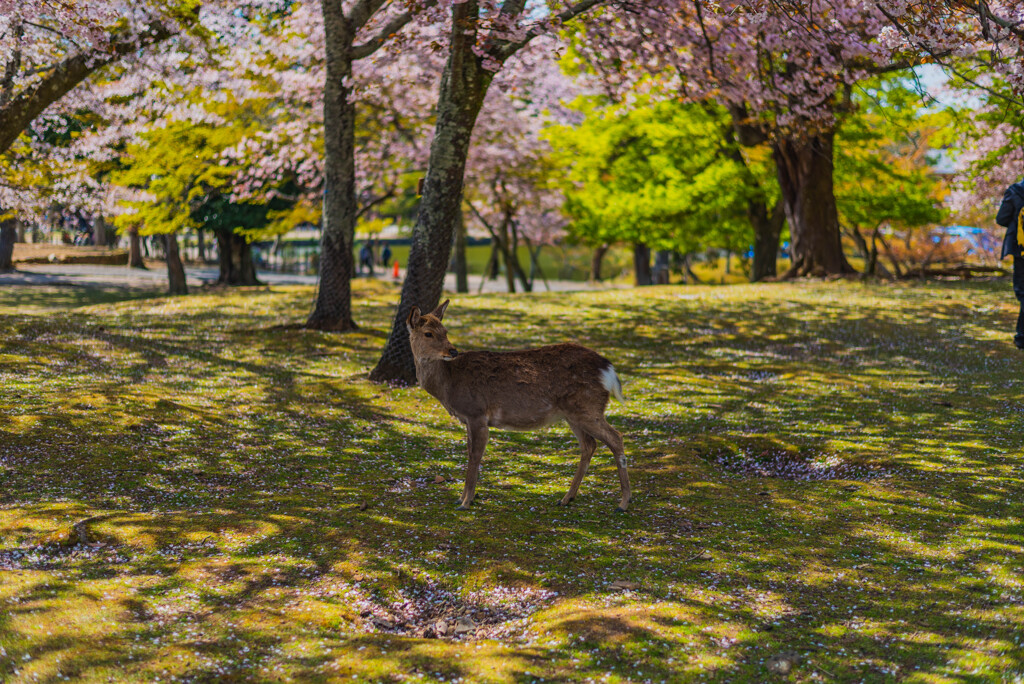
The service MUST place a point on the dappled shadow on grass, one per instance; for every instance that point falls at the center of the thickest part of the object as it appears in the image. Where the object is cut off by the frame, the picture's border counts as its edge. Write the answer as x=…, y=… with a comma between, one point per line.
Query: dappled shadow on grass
x=259, y=492
x=23, y=299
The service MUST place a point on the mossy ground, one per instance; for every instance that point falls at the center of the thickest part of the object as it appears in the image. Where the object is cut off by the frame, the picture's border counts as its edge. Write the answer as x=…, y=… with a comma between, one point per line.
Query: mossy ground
x=830, y=471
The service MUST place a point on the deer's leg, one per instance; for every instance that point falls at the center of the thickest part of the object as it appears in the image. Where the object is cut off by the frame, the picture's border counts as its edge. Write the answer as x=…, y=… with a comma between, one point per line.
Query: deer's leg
x=476, y=438
x=600, y=429
x=587, y=447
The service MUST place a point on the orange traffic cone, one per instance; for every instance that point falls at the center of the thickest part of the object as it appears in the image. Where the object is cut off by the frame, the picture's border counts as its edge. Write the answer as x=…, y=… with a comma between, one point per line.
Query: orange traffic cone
x=394, y=273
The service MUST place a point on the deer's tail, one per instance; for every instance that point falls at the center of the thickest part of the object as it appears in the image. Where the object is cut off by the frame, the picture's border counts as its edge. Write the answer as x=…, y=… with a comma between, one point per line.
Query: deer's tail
x=610, y=381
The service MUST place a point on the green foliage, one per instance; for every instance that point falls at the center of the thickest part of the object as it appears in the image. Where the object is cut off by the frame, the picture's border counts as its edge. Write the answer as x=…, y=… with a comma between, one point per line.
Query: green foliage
x=665, y=174
x=882, y=171
x=183, y=180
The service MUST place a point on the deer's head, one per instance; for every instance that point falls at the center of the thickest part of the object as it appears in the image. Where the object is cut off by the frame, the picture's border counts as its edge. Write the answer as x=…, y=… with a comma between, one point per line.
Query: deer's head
x=427, y=337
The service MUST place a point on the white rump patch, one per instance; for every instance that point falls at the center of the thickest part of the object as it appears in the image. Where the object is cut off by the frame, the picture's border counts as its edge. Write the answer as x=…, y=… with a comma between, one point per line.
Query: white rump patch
x=610, y=381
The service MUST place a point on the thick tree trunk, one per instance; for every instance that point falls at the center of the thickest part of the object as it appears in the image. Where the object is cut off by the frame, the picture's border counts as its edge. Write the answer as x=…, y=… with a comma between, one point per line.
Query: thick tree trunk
x=333, y=307
x=99, y=231
x=662, y=267
x=805, y=171
x=8, y=236
x=135, y=249
x=596, y=259
x=236, y=266
x=642, y=264
x=461, y=267
x=175, y=270
x=767, y=230
x=464, y=84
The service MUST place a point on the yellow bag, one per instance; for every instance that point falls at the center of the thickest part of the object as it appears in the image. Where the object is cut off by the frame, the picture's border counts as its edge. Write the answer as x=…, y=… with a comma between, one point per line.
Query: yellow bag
x=1020, y=229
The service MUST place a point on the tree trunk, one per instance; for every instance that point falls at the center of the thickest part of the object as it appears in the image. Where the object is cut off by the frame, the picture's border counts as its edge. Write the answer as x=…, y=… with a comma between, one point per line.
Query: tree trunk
x=513, y=252
x=8, y=236
x=99, y=231
x=135, y=249
x=175, y=270
x=201, y=245
x=805, y=171
x=461, y=268
x=642, y=264
x=464, y=84
x=596, y=258
x=236, y=266
x=767, y=231
x=333, y=307
x=662, y=269
x=506, y=256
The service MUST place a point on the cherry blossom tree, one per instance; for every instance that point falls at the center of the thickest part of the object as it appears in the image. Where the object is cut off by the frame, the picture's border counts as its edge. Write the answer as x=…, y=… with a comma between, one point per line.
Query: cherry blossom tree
x=48, y=48
x=483, y=36
x=511, y=189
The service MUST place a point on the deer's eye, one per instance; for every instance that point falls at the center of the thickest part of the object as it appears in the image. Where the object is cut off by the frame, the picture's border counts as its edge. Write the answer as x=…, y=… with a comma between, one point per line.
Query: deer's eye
x=428, y=334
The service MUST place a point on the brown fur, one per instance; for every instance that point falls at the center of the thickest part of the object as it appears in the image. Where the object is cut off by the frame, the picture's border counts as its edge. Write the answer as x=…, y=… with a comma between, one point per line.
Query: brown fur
x=517, y=390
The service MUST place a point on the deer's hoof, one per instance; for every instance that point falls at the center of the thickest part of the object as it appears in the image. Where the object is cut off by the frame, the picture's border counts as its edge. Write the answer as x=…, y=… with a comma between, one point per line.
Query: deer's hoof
x=620, y=509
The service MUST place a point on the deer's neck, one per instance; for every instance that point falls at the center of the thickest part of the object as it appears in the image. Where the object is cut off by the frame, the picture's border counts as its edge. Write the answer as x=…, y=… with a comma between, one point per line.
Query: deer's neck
x=436, y=378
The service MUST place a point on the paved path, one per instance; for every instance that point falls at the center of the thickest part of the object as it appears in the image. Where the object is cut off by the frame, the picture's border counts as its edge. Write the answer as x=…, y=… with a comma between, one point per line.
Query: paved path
x=156, y=278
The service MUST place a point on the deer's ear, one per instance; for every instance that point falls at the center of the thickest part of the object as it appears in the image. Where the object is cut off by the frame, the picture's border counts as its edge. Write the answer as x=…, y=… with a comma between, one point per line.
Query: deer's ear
x=439, y=311
x=414, y=319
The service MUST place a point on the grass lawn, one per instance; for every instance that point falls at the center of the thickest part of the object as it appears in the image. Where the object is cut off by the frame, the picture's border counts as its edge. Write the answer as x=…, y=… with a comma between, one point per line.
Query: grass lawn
x=827, y=486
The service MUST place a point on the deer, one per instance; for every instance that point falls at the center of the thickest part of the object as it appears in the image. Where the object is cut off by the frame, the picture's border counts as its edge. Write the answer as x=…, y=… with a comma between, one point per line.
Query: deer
x=521, y=390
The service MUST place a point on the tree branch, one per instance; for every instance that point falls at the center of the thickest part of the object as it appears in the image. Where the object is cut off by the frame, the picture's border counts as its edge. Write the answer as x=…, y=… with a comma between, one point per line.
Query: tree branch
x=20, y=111
x=375, y=201
x=361, y=12
x=392, y=27
x=938, y=57
x=505, y=49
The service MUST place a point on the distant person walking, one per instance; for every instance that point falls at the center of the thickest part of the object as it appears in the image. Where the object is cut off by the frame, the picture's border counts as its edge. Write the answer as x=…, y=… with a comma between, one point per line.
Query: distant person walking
x=385, y=255
x=366, y=259
x=1011, y=217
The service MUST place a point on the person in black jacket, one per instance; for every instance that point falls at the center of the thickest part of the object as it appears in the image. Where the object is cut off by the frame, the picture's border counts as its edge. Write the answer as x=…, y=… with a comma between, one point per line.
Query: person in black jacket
x=1008, y=217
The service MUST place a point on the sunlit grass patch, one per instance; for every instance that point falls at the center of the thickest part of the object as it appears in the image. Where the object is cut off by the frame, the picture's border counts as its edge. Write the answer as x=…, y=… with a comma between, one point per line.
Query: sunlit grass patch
x=824, y=474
